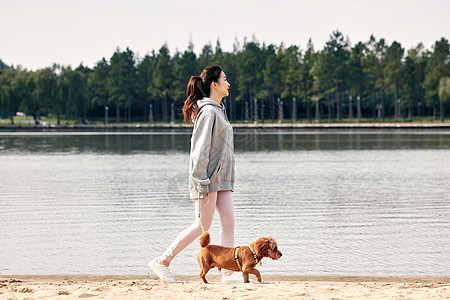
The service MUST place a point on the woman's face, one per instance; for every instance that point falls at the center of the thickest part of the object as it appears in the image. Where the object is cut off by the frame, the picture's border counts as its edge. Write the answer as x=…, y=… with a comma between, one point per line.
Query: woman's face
x=222, y=86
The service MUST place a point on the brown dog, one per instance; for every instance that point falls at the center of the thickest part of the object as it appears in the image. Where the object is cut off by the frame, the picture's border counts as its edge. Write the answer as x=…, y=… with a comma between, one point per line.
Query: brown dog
x=211, y=256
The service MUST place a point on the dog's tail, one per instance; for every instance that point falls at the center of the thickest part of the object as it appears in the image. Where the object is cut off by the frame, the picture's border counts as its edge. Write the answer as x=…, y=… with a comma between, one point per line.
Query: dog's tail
x=204, y=239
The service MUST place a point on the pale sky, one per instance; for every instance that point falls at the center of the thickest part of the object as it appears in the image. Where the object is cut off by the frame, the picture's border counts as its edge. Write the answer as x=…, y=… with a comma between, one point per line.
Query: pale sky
x=37, y=33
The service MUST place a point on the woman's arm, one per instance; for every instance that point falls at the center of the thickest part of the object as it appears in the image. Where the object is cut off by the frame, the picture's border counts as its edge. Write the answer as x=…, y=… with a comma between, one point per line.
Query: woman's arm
x=200, y=150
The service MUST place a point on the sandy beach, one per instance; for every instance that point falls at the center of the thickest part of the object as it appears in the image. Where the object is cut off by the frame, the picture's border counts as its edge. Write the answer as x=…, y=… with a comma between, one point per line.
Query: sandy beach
x=190, y=287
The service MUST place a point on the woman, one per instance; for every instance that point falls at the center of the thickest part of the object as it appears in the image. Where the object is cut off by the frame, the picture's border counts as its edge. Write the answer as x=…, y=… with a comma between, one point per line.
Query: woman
x=211, y=168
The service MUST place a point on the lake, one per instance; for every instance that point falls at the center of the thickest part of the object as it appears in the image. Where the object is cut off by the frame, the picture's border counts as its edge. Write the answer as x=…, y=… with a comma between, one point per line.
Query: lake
x=347, y=202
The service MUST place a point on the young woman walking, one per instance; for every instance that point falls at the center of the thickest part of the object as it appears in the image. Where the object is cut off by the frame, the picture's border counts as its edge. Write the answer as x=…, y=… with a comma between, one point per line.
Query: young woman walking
x=211, y=167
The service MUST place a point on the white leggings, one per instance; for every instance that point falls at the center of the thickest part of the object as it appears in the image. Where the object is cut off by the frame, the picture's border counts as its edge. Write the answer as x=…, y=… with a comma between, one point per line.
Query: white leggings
x=223, y=202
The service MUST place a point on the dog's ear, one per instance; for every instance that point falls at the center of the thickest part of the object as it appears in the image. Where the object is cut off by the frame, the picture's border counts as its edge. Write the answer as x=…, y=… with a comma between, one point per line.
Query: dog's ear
x=262, y=246
x=272, y=243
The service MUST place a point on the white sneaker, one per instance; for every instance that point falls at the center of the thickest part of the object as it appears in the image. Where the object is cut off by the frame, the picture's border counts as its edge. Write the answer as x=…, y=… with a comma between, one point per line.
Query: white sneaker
x=235, y=277
x=161, y=271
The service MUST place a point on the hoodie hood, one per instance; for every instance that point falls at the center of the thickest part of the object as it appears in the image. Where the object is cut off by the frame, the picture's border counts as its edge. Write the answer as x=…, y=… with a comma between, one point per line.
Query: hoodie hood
x=206, y=101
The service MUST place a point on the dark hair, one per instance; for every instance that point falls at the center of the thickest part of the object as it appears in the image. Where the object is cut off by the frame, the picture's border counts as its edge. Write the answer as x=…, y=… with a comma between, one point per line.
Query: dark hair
x=198, y=88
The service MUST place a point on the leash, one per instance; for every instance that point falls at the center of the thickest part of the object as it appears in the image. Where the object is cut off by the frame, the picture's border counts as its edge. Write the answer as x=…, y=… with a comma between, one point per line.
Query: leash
x=199, y=210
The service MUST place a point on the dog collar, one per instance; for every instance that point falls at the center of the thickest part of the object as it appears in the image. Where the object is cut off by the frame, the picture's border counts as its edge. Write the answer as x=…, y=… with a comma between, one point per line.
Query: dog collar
x=237, y=258
x=258, y=263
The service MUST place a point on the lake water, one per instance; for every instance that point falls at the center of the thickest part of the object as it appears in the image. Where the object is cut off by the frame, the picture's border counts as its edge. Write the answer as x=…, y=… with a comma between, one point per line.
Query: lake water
x=361, y=202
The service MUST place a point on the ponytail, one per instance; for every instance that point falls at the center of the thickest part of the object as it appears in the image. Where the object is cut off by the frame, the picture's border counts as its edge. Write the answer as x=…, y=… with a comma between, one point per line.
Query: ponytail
x=193, y=93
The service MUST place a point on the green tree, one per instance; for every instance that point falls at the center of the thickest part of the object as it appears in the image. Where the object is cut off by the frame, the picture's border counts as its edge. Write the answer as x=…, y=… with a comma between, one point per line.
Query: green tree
x=77, y=101
x=307, y=81
x=22, y=86
x=8, y=100
x=3, y=65
x=338, y=54
x=323, y=85
x=44, y=89
x=413, y=77
x=162, y=81
x=291, y=76
x=190, y=66
x=249, y=66
x=122, y=81
x=144, y=82
x=72, y=97
x=184, y=66
x=271, y=85
x=249, y=75
x=179, y=81
x=206, y=57
x=357, y=76
x=437, y=67
x=444, y=95
x=370, y=65
x=219, y=55
x=393, y=71
x=98, y=83
x=373, y=67
x=63, y=92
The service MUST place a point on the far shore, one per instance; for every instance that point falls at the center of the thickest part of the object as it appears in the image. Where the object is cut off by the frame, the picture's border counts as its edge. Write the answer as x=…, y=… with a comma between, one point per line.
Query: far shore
x=191, y=287
x=237, y=126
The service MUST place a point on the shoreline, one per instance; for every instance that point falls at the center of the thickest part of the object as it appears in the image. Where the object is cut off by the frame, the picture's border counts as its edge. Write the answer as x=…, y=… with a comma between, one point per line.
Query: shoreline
x=216, y=278
x=235, y=126
x=191, y=287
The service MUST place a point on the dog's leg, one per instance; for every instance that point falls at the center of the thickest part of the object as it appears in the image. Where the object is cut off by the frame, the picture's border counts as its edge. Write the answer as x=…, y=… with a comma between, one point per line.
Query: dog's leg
x=253, y=271
x=245, y=274
x=204, y=267
x=203, y=273
x=257, y=274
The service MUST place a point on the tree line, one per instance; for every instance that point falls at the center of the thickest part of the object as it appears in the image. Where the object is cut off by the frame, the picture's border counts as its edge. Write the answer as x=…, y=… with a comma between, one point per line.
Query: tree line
x=370, y=80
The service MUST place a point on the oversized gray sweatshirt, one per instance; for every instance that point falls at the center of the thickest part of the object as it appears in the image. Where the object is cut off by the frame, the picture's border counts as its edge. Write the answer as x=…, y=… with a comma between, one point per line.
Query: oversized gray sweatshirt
x=211, y=166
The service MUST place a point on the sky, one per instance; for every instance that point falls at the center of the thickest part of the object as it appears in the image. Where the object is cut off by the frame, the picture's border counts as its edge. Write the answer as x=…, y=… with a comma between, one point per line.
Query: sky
x=37, y=33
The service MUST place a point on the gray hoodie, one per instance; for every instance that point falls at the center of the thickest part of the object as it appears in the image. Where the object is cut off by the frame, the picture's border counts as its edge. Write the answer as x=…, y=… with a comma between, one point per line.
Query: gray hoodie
x=211, y=166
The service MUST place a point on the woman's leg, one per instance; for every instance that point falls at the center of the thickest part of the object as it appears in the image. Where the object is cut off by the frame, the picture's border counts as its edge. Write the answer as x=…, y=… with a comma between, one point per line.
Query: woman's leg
x=189, y=235
x=224, y=206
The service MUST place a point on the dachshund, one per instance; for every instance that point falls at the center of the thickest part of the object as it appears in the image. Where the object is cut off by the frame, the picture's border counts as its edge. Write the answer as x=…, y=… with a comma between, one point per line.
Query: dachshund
x=215, y=256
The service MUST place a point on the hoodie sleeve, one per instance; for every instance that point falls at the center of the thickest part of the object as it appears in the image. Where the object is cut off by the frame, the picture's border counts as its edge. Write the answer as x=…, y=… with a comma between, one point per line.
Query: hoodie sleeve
x=200, y=150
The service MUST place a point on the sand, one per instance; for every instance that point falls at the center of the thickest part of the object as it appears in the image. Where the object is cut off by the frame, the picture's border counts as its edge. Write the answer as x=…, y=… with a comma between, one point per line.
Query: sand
x=190, y=287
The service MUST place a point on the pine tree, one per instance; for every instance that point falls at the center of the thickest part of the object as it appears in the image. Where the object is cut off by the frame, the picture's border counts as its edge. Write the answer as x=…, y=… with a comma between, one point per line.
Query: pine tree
x=437, y=67
x=393, y=71
x=338, y=54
